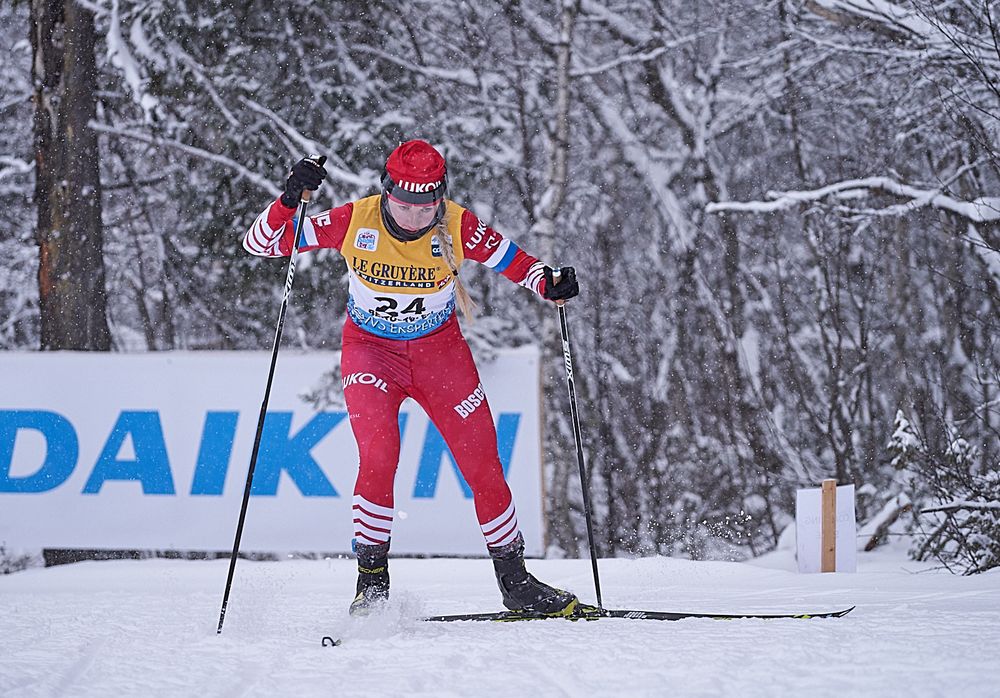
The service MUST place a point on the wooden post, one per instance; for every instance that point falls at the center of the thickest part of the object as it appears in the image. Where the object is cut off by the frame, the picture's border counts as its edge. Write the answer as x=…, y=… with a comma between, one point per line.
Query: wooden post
x=828, y=550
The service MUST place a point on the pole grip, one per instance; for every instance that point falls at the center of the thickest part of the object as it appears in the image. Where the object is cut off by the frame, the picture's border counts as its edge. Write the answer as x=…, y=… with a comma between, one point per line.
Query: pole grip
x=319, y=161
x=556, y=275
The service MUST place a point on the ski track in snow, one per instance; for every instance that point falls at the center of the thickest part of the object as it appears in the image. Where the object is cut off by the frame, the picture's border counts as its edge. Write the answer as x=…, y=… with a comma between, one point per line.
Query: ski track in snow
x=148, y=628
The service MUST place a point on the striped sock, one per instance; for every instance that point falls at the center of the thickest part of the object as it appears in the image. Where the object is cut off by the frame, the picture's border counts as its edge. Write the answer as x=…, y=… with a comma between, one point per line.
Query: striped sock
x=372, y=523
x=503, y=529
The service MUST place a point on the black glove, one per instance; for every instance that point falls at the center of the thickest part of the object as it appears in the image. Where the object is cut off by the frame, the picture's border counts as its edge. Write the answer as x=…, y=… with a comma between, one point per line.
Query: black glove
x=561, y=290
x=307, y=173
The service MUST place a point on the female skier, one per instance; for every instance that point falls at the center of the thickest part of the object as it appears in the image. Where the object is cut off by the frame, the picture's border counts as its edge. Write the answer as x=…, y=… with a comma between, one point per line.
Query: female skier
x=401, y=339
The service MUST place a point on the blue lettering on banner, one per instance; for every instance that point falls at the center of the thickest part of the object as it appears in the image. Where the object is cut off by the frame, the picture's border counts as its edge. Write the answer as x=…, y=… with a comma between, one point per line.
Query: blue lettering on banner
x=217, y=440
x=62, y=450
x=434, y=448
x=151, y=466
x=280, y=451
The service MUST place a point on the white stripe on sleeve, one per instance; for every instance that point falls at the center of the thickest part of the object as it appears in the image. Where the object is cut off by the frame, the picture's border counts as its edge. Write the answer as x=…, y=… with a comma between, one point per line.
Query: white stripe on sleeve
x=498, y=254
x=260, y=240
x=309, y=234
x=533, y=279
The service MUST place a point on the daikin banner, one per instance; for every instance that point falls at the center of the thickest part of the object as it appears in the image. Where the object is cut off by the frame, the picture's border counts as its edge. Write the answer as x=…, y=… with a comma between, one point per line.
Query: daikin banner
x=151, y=452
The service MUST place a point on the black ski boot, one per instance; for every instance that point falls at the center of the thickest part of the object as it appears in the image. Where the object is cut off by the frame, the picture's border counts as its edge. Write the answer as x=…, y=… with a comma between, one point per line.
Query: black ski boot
x=373, y=579
x=521, y=591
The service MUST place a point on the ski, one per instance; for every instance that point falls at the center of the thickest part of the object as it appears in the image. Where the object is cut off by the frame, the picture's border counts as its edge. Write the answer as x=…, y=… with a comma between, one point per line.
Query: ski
x=585, y=612
x=588, y=613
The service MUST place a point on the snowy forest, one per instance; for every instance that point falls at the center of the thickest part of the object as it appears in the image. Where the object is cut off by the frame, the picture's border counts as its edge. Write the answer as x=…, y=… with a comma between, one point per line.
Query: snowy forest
x=783, y=214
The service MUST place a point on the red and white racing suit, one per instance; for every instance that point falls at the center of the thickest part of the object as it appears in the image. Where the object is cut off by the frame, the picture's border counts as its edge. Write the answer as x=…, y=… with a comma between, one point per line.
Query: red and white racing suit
x=402, y=339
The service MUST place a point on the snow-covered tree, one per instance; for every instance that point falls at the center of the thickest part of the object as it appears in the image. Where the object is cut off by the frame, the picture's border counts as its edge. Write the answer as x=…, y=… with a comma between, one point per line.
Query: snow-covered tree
x=71, y=281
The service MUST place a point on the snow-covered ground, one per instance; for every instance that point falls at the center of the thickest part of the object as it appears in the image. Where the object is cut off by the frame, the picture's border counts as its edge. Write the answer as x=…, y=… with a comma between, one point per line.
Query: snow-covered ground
x=147, y=628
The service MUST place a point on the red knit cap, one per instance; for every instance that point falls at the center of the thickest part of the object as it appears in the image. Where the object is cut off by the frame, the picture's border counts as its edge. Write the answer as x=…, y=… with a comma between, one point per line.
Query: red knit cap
x=415, y=167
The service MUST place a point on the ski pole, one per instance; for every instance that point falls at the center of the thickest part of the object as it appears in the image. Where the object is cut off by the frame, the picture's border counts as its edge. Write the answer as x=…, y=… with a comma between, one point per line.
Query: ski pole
x=578, y=436
x=300, y=218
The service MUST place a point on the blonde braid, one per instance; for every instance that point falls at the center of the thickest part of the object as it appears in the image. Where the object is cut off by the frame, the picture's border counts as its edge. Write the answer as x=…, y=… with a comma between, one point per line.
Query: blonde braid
x=465, y=302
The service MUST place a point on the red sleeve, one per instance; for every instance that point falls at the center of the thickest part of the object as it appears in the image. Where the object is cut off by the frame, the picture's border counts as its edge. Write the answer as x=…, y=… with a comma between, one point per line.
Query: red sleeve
x=273, y=233
x=490, y=248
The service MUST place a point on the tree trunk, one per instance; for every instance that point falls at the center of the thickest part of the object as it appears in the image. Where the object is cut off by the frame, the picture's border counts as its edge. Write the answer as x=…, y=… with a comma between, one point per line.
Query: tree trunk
x=71, y=288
